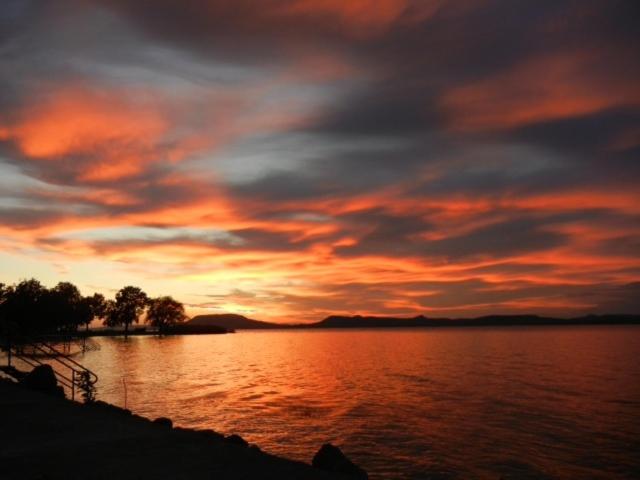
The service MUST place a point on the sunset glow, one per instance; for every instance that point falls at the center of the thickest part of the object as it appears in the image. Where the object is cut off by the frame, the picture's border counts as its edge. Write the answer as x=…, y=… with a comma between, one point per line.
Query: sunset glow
x=306, y=158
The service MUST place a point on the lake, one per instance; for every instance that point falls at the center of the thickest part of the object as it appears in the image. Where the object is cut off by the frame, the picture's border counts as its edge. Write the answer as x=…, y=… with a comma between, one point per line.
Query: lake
x=540, y=402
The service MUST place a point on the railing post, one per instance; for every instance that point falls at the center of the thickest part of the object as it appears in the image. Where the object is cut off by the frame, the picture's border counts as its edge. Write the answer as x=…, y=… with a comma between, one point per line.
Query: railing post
x=80, y=376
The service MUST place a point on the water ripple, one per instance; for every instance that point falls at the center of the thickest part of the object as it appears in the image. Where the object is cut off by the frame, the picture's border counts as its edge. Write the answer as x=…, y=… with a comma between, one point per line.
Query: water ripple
x=405, y=404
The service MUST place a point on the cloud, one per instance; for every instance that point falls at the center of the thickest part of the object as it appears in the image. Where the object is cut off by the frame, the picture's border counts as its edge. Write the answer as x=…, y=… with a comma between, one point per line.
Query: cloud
x=91, y=136
x=521, y=96
x=198, y=20
x=314, y=157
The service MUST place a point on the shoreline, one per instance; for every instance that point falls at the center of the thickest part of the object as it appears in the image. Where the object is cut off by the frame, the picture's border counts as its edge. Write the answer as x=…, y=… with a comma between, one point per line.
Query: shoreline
x=365, y=327
x=57, y=438
x=144, y=331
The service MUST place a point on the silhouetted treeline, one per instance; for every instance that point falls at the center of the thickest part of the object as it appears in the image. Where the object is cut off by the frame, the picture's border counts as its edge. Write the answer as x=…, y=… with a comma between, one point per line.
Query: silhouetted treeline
x=29, y=308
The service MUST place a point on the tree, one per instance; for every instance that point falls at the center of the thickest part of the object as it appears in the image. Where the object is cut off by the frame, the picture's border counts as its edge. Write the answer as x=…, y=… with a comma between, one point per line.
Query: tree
x=63, y=306
x=92, y=307
x=165, y=312
x=5, y=292
x=129, y=305
x=24, y=308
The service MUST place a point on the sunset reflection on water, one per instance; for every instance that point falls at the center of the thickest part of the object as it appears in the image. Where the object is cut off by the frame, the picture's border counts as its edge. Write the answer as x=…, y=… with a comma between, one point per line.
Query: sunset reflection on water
x=481, y=402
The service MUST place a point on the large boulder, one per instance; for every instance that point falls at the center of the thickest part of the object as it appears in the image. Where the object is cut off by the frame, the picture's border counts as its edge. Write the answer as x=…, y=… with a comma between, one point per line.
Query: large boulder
x=43, y=379
x=331, y=459
x=236, y=440
x=164, y=422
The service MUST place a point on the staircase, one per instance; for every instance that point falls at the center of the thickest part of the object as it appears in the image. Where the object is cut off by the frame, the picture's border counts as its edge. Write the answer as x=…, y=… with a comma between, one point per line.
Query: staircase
x=74, y=377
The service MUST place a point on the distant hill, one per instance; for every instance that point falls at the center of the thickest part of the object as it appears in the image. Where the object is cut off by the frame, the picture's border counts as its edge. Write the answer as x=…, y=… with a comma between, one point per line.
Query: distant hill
x=239, y=322
x=230, y=321
x=357, y=321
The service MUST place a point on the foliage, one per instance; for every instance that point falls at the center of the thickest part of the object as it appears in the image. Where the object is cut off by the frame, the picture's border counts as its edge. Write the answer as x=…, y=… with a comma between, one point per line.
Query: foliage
x=23, y=308
x=28, y=308
x=4, y=294
x=92, y=307
x=88, y=388
x=62, y=306
x=128, y=307
x=165, y=312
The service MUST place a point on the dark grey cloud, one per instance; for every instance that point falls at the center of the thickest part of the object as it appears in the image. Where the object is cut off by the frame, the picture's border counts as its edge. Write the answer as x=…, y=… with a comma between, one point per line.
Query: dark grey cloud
x=621, y=299
x=256, y=239
x=158, y=235
x=350, y=171
x=468, y=298
x=401, y=236
x=382, y=110
x=283, y=186
x=587, y=135
x=379, y=129
x=24, y=218
x=501, y=239
x=623, y=245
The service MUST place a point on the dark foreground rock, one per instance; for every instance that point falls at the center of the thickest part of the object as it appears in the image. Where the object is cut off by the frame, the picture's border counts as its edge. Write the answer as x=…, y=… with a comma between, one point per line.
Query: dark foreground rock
x=42, y=379
x=56, y=439
x=99, y=404
x=164, y=422
x=331, y=459
x=237, y=440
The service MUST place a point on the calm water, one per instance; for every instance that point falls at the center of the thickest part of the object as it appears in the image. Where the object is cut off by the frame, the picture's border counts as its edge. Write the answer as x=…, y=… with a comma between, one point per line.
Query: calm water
x=449, y=403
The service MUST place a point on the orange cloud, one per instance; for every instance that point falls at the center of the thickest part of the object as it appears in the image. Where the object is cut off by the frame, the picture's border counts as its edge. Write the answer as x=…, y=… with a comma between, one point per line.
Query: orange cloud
x=358, y=237
x=113, y=132
x=540, y=89
x=79, y=121
x=363, y=15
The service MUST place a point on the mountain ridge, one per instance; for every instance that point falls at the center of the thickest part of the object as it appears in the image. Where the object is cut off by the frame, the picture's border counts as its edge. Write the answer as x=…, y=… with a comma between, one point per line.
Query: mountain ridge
x=240, y=322
x=230, y=321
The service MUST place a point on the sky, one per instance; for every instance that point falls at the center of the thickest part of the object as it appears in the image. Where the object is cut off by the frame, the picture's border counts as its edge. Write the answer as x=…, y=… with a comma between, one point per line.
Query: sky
x=292, y=159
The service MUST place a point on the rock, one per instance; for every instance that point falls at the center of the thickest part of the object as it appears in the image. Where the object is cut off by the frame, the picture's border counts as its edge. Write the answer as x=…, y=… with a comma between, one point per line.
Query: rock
x=331, y=459
x=211, y=434
x=237, y=440
x=109, y=407
x=14, y=372
x=164, y=422
x=43, y=379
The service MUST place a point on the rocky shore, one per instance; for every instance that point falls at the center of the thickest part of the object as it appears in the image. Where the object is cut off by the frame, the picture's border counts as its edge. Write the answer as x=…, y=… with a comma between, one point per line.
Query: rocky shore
x=48, y=437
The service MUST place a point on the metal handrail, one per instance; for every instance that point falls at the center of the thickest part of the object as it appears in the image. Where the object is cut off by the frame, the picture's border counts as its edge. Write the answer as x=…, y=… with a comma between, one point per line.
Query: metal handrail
x=78, y=372
x=59, y=356
x=64, y=380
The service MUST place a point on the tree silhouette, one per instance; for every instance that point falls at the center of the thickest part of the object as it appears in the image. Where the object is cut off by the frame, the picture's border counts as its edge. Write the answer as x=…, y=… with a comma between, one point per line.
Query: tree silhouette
x=29, y=309
x=5, y=292
x=129, y=305
x=24, y=308
x=92, y=307
x=165, y=312
x=62, y=304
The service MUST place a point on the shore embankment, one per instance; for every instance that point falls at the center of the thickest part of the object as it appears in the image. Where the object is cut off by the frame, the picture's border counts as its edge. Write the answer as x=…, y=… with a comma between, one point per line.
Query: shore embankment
x=45, y=437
